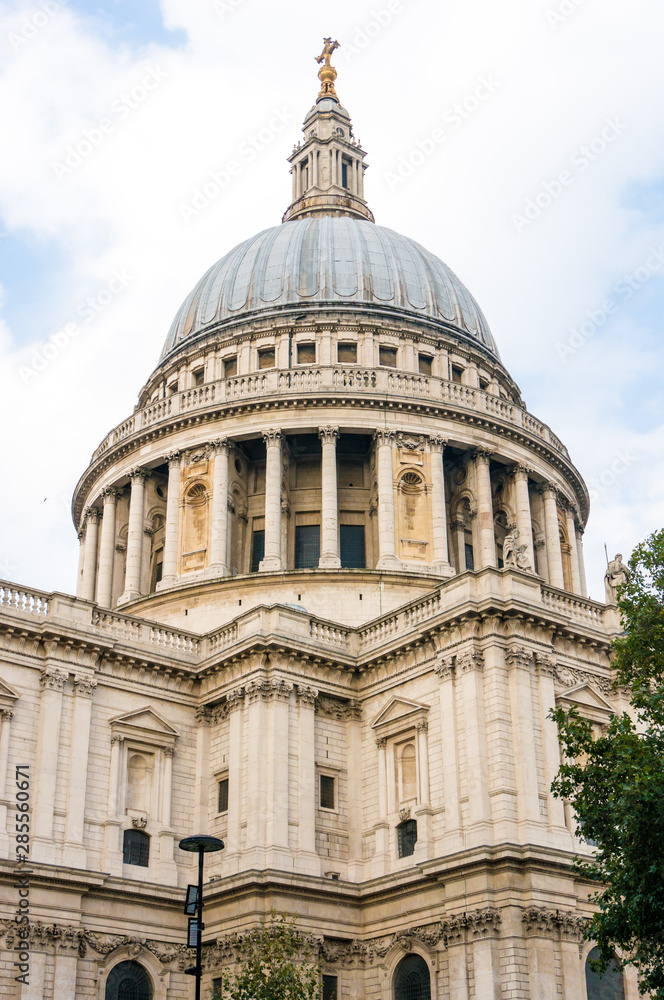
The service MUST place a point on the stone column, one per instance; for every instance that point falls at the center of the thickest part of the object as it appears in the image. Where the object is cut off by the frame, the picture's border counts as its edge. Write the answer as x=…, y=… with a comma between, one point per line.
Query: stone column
x=219, y=535
x=571, y=965
x=448, y=728
x=272, y=558
x=524, y=522
x=112, y=860
x=203, y=718
x=582, y=566
x=74, y=853
x=387, y=553
x=135, y=536
x=471, y=666
x=235, y=700
x=423, y=812
x=459, y=529
x=381, y=858
x=167, y=870
x=171, y=528
x=65, y=975
x=276, y=828
x=107, y=549
x=574, y=556
x=6, y=716
x=81, y=561
x=547, y=699
x=329, y=549
x=487, y=537
x=48, y=746
x=308, y=859
x=520, y=663
x=552, y=532
x=257, y=767
x=441, y=556
x=92, y=516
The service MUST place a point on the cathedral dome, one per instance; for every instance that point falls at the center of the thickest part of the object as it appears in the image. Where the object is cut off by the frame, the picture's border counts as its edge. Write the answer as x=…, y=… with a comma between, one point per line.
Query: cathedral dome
x=329, y=261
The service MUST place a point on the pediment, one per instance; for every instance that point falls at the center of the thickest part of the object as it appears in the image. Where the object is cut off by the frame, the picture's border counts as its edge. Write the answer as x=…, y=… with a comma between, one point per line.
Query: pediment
x=147, y=723
x=587, y=700
x=8, y=696
x=400, y=711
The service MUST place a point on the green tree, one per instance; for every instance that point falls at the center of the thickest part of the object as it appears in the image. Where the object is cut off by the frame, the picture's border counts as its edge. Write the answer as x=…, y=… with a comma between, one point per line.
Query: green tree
x=615, y=783
x=275, y=962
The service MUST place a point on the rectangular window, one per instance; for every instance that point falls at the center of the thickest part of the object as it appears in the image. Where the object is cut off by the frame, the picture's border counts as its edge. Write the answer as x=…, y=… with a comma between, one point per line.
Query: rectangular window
x=351, y=546
x=216, y=988
x=306, y=354
x=457, y=374
x=347, y=353
x=257, y=549
x=470, y=556
x=407, y=838
x=136, y=848
x=484, y=385
x=425, y=362
x=266, y=358
x=327, y=791
x=222, y=795
x=173, y=388
x=160, y=571
x=387, y=356
x=307, y=546
x=199, y=376
x=344, y=173
x=330, y=988
x=230, y=367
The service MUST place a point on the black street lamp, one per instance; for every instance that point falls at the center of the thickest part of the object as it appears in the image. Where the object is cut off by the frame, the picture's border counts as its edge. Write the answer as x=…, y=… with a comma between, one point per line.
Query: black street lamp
x=200, y=844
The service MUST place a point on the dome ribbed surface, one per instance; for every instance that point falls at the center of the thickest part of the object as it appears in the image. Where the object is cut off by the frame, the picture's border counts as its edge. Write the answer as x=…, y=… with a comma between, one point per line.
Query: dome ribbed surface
x=326, y=262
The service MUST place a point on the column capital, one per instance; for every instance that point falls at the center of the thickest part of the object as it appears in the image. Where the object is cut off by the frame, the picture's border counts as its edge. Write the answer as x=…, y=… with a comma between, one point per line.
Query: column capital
x=481, y=454
x=110, y=495
x=91, y=514
x=328, y=435
x=168, y=751
x=548, y=490
x=84, y=686
x=6, y=714
x=139, y=473
x=307, y=695
x=381, y=742
x=437, y=443
x=51, y=677
x=272, y=435
x=472, y=660
x=520, y=472
x=220, y=446
x=519, y=656
x=117, y=738
x=445, y=669
x=173, y=458
x=383, y=437
x=546, y=664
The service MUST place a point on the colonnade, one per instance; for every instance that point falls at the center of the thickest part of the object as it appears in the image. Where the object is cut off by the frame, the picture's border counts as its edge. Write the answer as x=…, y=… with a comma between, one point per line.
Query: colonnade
x=96, y=577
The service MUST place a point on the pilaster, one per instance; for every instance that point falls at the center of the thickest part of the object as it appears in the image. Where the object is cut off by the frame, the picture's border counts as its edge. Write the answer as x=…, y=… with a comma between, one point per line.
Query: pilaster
x=272, y=559
x=74, y=853
x=329, y=550
x=387, y=553
x=48, y=747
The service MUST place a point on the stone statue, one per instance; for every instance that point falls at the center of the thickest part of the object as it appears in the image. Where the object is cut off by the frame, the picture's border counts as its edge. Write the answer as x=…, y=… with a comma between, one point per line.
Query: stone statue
x=514, y=554
x=616, y=575
x=328, y=49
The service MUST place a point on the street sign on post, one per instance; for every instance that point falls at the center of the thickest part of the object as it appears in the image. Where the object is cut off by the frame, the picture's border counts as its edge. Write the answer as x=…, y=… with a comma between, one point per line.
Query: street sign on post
x=191, y=902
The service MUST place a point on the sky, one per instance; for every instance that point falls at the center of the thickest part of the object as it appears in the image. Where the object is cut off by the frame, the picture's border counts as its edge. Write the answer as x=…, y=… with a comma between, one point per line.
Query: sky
x=521, y=142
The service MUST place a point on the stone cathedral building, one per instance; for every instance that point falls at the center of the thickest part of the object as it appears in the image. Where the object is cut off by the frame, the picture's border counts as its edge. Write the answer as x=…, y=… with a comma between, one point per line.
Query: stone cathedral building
x=331, y=583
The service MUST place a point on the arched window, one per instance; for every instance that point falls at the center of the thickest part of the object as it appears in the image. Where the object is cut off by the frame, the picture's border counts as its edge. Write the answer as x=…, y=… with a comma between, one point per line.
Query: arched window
x=607, y=987
x=128, y=981
x=411, y=979
x=136, y=848
x=407, y=838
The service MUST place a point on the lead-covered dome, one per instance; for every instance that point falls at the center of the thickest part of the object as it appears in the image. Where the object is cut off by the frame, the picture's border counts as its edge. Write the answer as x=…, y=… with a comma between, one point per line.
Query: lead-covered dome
x=329, y=261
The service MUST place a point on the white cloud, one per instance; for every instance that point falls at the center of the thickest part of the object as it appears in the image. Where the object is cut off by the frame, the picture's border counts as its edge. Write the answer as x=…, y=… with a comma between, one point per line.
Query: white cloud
x=118, y=209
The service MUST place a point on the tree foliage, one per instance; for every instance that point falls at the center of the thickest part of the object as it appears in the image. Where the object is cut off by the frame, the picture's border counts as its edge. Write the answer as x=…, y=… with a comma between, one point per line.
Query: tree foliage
x=615, y=783
x=275, y=962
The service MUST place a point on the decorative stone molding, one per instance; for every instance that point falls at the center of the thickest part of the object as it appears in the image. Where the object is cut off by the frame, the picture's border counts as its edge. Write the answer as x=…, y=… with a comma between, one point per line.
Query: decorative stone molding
x=473, y=660
x=410, y=442
x=336, y=708
x=139, y=822
x=383, y=437
x=481, y=454
x=307, y=695
x=328, y=435
x=445, y=669
x=235, y=699
x=139, y=473
x=543, y=920
x=422, y=727
x=92, y=514
x=169, y=751
x=272, y=435
x=81, y=940
x=210, y=715
x=117, y=738
x=6, y=714
x=381, y=742
x=404, y=814
x=519, y=656
x=220, y=446
x=268, y=689
x=437, y=443
x=173, y=458
x=571, y=676
x=53, y=678
x=520, y=472
x=84, y=686
x=110, y=494
x=546, y=664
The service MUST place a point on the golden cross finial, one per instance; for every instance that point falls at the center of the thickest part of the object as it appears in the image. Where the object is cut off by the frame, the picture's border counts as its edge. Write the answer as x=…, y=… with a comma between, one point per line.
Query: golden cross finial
x=327, y=74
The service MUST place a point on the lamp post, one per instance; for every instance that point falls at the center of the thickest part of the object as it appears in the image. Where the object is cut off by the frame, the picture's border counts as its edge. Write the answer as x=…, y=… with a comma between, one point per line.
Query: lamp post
x=200, y=844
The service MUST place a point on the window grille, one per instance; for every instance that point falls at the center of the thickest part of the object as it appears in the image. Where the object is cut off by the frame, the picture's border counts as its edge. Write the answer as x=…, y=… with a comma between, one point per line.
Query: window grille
x=610, y=986
x=407, y=838
x=222, y=796
x=136, y=848
x=307, y=546
x=128, y=981
x=412, y=980
x=330, y=988
x=257, y=549
x=351, y=546
x=326, y=791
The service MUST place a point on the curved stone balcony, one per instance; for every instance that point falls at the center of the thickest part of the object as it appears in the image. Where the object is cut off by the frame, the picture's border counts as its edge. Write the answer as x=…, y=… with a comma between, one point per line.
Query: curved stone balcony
x=316, y=384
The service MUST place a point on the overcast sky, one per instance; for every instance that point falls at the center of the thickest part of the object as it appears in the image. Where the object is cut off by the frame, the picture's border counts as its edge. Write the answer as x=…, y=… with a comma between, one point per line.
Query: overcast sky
x=543, y=189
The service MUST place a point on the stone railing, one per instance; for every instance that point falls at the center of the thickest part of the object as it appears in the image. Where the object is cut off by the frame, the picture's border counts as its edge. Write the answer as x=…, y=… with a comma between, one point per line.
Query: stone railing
x=14, y=598
x=146, y=633
x=330, y=379
x=571, y=606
